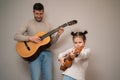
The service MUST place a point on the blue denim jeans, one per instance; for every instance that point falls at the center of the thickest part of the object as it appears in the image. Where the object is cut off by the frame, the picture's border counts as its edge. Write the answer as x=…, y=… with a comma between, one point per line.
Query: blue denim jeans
x=65, y=77
x=42, y=66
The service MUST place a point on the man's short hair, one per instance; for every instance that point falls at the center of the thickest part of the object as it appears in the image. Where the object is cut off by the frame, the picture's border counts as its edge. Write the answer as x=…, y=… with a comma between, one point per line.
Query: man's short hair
x=38, y=6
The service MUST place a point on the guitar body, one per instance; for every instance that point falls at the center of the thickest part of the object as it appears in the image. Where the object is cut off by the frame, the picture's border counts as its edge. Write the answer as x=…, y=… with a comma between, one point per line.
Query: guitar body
x=68, y=63
x=31, y=54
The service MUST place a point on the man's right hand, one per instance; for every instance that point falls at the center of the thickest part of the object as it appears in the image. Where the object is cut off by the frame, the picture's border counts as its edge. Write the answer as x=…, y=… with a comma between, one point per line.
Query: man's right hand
x=34, y=39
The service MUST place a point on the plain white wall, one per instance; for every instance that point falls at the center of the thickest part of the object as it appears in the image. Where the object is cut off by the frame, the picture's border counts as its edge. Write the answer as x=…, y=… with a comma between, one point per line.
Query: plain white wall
x=100, y=17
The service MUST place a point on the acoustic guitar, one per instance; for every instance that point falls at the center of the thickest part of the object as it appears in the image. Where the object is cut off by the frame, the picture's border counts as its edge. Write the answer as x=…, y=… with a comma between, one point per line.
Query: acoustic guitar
x=29, y=50
x=68, y=60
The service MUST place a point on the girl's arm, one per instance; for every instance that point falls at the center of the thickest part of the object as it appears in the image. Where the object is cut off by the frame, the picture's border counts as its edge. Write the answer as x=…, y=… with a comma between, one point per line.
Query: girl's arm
x=63, y=54
x=61, y=57
x=85, y=53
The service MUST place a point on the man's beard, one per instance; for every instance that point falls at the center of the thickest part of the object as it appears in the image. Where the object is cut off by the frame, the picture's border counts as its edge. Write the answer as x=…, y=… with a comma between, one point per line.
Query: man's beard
x=38, y=20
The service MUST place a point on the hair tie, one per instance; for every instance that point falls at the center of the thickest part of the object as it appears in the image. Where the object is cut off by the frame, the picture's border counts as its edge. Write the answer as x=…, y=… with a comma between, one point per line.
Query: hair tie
x=72, y=33
x=85, y=32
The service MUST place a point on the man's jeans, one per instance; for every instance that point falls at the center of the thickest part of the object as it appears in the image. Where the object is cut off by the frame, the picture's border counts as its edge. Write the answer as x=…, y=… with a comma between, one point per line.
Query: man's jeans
x=42, y=66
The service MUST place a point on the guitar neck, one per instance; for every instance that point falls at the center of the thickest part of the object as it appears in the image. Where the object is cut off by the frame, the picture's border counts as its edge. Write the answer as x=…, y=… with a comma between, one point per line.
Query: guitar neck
x=69, y=58
x=55, y=30
x=49, y=33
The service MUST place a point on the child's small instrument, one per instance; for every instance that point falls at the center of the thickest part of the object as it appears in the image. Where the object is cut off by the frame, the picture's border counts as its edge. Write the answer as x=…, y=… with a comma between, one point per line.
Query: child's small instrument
x=68, y=60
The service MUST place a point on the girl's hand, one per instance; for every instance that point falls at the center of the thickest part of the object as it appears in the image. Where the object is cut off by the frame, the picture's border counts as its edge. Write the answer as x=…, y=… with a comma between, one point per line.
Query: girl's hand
x=75, y=52
x=61, y=61
x=72, y=54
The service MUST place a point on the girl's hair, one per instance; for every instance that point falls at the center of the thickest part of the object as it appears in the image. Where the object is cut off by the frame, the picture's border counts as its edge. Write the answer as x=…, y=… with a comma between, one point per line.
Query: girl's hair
x=79, y=34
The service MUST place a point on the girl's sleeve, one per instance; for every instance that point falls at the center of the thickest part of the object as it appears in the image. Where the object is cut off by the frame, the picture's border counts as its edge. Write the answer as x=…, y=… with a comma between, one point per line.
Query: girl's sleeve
x=85, y=53
x=63, y=54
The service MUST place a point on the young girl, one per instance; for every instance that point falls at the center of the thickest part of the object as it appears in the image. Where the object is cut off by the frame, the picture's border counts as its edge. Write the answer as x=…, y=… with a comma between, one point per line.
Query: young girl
x=80, y=61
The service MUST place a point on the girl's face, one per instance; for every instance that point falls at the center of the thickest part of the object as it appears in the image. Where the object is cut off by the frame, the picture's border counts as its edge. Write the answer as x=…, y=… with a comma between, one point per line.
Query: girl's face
x=78, y=42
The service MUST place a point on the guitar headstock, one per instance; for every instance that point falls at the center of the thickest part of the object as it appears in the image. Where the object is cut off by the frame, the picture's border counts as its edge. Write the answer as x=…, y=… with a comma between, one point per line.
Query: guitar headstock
x=77, y=50
x=69, y=23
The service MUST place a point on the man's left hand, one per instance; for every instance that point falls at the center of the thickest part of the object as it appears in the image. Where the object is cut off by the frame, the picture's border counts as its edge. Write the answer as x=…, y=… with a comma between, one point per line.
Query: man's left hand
x=60, y=31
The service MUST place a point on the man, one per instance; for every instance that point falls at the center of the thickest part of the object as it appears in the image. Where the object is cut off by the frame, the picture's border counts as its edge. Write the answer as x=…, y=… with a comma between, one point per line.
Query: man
x=43, y=63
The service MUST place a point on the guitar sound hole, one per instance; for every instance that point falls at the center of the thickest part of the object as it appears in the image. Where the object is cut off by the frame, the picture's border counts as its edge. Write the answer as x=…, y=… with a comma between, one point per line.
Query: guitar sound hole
x=27, y=45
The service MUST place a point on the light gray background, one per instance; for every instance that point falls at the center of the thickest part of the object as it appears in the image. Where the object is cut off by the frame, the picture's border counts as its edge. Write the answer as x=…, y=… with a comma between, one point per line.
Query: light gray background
x=100, y=17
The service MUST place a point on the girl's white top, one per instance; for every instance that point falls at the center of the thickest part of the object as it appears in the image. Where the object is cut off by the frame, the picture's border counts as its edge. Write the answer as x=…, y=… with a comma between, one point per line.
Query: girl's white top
x=79, y=66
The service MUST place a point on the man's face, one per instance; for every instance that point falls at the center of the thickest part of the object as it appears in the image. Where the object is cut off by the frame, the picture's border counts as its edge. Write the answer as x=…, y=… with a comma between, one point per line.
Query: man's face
x=38, y=15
